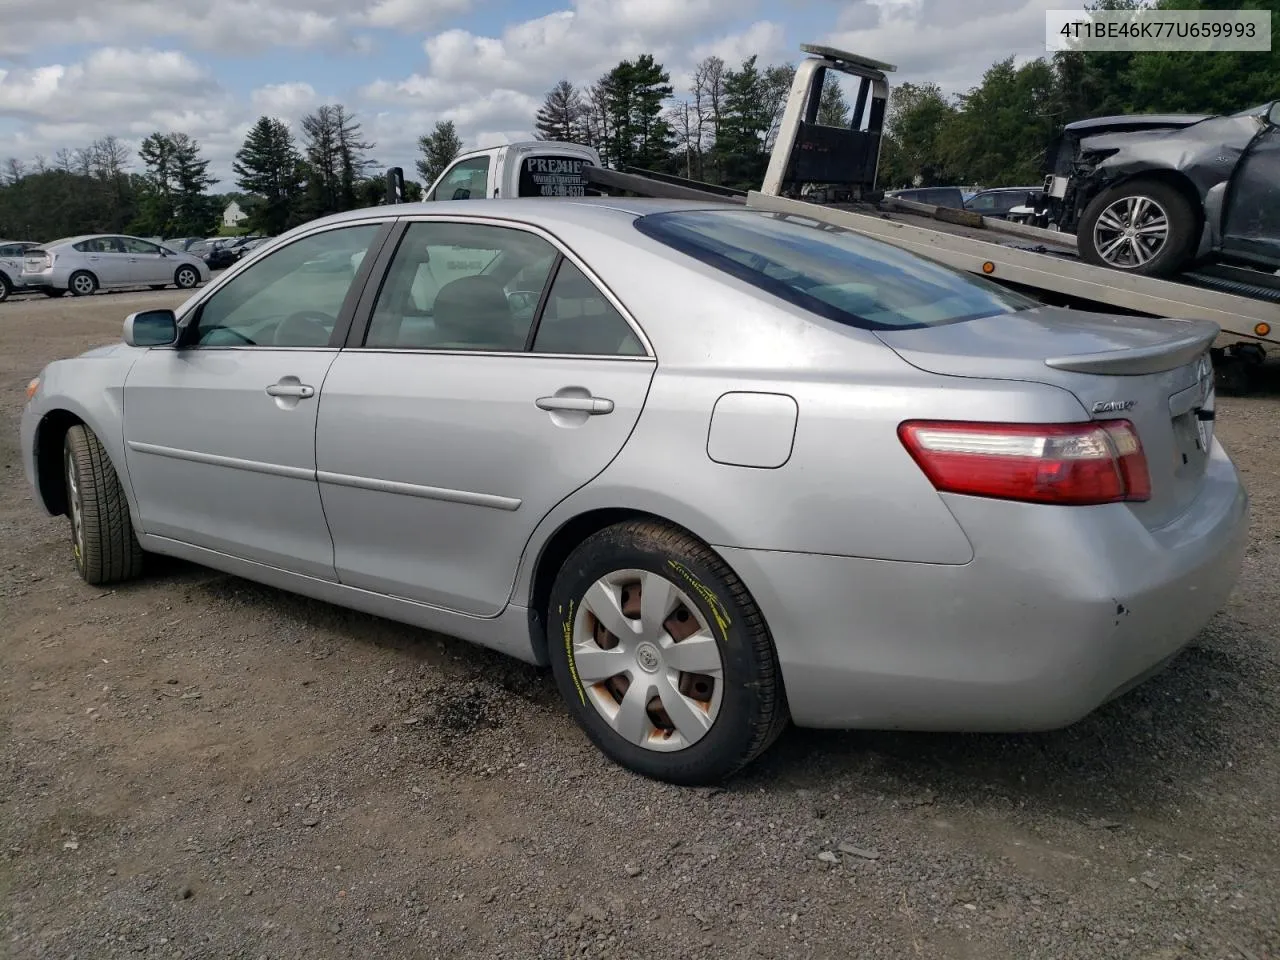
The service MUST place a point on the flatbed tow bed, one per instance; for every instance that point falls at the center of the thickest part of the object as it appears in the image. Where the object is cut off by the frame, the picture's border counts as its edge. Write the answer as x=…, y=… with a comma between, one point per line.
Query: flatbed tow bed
x=809, y=159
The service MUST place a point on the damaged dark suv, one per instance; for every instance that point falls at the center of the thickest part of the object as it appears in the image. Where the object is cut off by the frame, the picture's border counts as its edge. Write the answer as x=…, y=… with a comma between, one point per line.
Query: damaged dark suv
x=1153, y=195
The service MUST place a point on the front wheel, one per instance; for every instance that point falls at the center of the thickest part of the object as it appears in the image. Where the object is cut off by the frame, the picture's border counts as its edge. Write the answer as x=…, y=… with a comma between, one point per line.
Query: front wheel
x=102, y=538
x=662, y=656
x=186, y=278
x=1142, y=226
x=6, y=288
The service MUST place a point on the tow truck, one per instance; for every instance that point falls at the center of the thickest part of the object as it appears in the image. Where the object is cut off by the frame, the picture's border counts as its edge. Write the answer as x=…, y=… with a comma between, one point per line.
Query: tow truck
x=827, y=175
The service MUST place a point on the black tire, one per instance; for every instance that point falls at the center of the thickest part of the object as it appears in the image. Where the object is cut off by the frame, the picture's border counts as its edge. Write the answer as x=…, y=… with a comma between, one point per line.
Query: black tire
x=753, y=709
x=1181, y=240
x=186, y=277
x=6, y=288
x=82, y=283
x=103, y=542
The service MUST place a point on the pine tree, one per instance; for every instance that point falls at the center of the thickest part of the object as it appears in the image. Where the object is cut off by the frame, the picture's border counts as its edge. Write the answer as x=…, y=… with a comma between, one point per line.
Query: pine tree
x=336, y=159
x=634, y=93
x=270, y=167
x=438, y=148
x=561, y=114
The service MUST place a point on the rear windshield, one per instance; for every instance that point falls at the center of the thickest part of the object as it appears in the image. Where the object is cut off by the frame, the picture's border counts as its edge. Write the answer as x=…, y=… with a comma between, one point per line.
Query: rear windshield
x=834, y=273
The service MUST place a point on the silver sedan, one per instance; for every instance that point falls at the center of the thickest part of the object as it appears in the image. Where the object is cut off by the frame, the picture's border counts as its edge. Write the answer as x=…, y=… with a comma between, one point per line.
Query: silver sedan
x=84, y=265
x=720, y=469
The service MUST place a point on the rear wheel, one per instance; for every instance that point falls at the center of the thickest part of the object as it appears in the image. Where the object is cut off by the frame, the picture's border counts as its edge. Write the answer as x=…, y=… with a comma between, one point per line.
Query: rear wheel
x=186, y=277
x=1142, y=226
x=662, y=656
x=6, y=288
x=103, y=542
x=82, y=284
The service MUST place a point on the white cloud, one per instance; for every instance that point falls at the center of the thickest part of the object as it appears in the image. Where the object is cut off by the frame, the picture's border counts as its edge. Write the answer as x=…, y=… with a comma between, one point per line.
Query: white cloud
x=947, y=42
x=411, y=14
x=149, y=65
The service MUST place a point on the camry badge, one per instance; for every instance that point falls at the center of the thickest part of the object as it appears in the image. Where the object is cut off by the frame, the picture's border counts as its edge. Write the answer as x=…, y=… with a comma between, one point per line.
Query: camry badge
x=1114, y=406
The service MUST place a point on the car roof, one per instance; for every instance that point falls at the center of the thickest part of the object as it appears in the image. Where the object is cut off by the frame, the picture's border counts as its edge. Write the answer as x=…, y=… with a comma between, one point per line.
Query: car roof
x=607, y=214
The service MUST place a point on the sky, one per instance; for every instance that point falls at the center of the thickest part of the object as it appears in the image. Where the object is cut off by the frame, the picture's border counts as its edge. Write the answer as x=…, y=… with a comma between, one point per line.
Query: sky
x=77, y=70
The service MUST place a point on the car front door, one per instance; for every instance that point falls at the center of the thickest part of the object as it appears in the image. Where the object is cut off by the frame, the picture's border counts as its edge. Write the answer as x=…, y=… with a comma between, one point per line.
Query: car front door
x=468, y=409
x=220, y=430
x=146, y=265
x=1252, y=225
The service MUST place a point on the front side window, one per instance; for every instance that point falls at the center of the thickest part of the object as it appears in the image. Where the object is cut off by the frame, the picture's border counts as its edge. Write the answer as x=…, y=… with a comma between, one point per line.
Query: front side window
x=467, y=180
x=834, y=273
x=290, y=298
x=460, y=286
x=134, y=245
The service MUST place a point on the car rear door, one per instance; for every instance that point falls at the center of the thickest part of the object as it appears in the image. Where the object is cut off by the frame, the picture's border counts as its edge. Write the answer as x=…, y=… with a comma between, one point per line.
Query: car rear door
x=220, y=430
x=453, y=425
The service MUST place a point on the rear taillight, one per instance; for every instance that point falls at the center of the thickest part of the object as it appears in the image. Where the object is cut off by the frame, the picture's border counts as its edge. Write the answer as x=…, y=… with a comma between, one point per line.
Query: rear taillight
x=1063, y=463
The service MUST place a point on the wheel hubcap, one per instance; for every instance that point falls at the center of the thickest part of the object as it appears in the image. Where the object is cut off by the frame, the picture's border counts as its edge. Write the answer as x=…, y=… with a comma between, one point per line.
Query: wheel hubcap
x=186, y=278
x=84, y=285
x=73, y=502
x=647, y=660
x=1131, y=232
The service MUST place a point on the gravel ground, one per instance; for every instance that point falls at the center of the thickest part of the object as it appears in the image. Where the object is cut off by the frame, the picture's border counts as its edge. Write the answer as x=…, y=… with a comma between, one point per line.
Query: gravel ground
x=195, y=766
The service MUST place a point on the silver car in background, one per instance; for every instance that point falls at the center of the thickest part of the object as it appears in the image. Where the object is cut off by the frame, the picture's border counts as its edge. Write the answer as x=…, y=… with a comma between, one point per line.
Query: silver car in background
x=719, y=468
x=87, y=264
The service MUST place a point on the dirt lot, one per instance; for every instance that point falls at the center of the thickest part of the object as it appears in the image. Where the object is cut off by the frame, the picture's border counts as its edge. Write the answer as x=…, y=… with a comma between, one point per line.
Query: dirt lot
x=195, y=766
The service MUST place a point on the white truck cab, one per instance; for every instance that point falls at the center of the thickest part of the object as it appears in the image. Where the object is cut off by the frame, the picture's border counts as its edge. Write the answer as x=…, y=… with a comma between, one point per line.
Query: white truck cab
x=530, y=168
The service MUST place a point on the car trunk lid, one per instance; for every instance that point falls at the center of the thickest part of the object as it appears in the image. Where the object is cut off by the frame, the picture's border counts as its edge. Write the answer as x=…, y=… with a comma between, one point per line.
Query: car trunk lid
x=1155, y=373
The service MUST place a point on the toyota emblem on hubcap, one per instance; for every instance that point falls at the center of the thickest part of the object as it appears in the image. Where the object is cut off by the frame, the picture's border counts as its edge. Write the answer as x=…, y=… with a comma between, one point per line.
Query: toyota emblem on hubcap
x=648, y=658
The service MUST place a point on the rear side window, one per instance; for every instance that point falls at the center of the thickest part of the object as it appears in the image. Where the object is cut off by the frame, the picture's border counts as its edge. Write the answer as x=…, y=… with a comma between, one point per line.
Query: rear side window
x=834, y=273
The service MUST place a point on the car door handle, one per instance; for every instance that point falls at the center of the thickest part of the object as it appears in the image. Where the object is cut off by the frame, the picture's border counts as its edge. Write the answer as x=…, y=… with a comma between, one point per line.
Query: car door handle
x=303, y=390
x=592, y=405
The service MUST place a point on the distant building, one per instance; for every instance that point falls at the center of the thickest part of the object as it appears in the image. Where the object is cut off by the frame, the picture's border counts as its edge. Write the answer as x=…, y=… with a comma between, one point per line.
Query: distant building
x=233, y=216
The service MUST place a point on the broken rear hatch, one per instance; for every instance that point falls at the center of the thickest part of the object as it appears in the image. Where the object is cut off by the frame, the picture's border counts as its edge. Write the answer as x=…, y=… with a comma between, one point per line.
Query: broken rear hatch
x=1155, y=373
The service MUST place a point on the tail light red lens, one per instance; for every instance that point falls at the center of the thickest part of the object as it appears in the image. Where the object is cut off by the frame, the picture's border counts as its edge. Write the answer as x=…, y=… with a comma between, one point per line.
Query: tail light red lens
x=1063, y=463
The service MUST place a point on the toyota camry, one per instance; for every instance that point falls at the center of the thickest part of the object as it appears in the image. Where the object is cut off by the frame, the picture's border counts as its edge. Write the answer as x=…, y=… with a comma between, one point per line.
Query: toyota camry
x=720, y=469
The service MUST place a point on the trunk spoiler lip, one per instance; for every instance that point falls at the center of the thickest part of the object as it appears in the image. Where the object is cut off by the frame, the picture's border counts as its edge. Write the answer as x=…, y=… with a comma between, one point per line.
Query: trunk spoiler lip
x=1137, y=361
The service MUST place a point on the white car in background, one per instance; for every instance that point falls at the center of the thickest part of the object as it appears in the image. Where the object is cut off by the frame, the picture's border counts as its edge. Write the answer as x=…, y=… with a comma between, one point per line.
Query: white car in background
x=87, y=264
x=11, y=254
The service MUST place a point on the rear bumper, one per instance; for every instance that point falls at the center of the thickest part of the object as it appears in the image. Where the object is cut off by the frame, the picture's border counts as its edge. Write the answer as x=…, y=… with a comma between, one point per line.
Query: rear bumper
x=1060, y=609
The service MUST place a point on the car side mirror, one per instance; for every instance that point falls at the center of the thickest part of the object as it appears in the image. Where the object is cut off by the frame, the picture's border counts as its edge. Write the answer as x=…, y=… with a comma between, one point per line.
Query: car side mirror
x=1273, y=115
x=151, y=328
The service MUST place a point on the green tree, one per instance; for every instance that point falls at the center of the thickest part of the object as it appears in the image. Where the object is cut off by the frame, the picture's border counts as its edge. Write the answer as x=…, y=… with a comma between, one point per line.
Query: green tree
x=561, y=115
x=269, y=167
x=916, y=117
x=174, y=202
x=833, y=108
x=745, y=122
x=438, y=149
x=634, y=93
x=337, y=158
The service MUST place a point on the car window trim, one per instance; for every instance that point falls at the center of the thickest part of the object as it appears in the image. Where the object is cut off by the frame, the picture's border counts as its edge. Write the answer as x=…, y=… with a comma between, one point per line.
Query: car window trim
x=190, y=318
x=364, y=313
x=543, y=297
